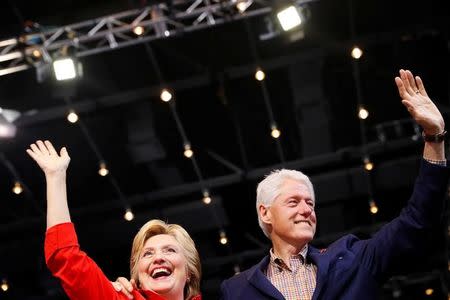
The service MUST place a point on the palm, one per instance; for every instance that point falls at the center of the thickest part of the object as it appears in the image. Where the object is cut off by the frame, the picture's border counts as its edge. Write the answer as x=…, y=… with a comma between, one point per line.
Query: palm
x=47, y=158
x=419, y=105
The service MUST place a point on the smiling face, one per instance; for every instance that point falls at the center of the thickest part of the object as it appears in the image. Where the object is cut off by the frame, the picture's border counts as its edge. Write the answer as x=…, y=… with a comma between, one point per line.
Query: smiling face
x=291, y=217
x=162, y=266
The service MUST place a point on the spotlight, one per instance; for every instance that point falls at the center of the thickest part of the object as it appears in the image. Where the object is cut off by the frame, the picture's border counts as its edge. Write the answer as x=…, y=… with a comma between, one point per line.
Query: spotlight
x=166, y=96
x=373, y=207
x=167, y=33
x=17, y=188
x=36, y=53
x=242, y=5
x=72, y=116
x=363, y=113
x=223, y=237
x=206, y=197
x=357, y=52
x=129, y=216
x=64, y=68
x=289, y=18
x=103, y=170
x=4, y=286
x=275, y=132
x=138, y=30
x=260, y=75
x=368, y=165
x=187, y=150
x=7, y=127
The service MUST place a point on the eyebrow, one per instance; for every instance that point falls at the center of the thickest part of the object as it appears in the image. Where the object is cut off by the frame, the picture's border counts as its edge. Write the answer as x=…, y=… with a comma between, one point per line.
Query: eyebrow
x=164, y=246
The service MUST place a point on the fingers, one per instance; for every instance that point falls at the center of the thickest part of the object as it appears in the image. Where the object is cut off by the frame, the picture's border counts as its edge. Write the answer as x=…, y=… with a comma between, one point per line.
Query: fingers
x=42, y=147
x=401, y=87
x=50, y=148
x=32, y=154
x=63, y=152
x=412, y=82
x=123, y=285
x=420, y=86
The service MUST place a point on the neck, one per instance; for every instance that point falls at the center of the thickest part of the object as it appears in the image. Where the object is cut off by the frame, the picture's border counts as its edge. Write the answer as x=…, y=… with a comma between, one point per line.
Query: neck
x=285, y=250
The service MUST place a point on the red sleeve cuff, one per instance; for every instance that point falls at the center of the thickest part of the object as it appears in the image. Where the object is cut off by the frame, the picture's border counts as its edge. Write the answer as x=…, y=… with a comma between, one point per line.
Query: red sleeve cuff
x=59, y=236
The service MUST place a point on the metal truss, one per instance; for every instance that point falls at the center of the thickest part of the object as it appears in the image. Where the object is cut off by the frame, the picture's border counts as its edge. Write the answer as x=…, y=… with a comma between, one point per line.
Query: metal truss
x=115, y=31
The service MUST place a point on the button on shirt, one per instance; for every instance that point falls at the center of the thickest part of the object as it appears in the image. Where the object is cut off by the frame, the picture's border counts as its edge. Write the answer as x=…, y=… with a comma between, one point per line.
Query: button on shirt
x=296, y=282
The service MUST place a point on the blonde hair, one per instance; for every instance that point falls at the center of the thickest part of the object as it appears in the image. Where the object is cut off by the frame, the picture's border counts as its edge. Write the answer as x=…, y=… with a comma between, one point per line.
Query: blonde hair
x=156, y=227
x=269, y=189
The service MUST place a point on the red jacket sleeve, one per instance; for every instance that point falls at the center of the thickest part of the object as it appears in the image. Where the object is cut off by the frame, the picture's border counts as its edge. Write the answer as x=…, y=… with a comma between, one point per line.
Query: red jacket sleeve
x=80, y=276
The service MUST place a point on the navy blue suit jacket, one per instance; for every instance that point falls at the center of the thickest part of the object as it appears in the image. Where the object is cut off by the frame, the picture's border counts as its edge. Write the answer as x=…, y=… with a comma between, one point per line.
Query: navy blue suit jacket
x=351, y=268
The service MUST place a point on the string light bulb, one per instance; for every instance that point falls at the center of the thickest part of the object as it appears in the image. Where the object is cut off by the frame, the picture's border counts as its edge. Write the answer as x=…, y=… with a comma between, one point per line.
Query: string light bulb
x=206, y=197
x=166, y=96
x=429, y=292
x=138, y=30
x=373, y=207
x=187, y=150
x=363, y=113
x=357, y=52
x=223, y=237
x=103, y=170
x=17, y=188
x=259, y=74
x=275, y=132
x=72, y=116
x=368, y=164
x=129, y=216
x=4, y=286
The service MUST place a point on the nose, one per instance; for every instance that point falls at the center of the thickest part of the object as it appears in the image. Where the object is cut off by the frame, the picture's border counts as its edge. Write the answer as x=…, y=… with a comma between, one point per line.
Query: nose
x=305, y=209
x=158, y=257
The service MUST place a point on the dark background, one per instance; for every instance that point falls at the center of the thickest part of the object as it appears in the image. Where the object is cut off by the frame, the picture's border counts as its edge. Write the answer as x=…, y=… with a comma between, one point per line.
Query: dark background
x=313, y=96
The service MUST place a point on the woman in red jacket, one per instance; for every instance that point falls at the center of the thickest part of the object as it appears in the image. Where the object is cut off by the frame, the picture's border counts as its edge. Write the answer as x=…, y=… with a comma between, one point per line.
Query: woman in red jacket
x=164, y=262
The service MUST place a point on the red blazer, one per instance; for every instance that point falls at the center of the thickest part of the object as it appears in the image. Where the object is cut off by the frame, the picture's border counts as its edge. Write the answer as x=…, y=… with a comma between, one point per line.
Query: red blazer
x=80, y=276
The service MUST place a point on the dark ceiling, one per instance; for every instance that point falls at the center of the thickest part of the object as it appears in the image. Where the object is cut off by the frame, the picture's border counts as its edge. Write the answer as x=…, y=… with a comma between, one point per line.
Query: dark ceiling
x=221, y=107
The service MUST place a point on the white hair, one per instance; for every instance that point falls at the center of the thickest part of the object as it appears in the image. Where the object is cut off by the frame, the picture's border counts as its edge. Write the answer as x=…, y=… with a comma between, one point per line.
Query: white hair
x=269, y=189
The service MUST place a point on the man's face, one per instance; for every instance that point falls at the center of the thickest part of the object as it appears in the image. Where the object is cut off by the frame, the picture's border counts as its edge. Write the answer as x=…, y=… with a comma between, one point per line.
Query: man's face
x=292, y=214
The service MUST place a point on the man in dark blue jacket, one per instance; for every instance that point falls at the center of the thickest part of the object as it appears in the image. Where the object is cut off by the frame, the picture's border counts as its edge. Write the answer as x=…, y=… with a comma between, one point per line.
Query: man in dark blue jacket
x=349, y=268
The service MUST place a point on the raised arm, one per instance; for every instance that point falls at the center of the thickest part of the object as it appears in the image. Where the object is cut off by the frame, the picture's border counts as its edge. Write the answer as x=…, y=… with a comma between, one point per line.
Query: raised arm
x=423, y=110
x=54, y=166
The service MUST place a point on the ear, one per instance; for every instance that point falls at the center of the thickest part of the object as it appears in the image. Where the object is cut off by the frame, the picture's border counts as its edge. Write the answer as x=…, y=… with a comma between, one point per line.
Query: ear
x=264, y=213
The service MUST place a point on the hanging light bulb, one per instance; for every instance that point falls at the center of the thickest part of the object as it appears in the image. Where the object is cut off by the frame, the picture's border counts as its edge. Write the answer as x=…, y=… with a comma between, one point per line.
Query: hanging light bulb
x=223, y=237
x=363, y=113
x=373, y=207
x=129, y=216
x=259, y=74
x=368, y=165
x=72, y=116
x=138, y=30
x=275, y=131
x=103, y=170
x=166, y=96
x=4, y=286
x=187, y=150
x=429, y=292
x=357, y=52
x=206, y=197
x=17, y=188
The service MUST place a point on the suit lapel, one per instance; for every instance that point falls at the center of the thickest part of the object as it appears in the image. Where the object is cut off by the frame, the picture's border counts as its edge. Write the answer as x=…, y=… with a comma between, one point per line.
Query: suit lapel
x=322, y=262
x=257, y=278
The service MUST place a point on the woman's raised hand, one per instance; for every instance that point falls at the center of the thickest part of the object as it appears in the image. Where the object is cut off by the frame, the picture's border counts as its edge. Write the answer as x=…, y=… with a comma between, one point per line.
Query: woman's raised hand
x=48, y=159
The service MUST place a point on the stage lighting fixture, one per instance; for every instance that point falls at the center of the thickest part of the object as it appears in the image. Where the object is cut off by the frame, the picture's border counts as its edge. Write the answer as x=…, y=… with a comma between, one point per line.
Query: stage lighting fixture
x=4, y=286
x=356, y=52
x=7, y=127
x=275, y=131
x=129, y=216
x=223, y=237
x=166, y=96
x=187, y=150
x=363, y=113
x=64, y=69
x=259, y=74
x=368, y=165
x=138, y=30
x=103, y=170
x=17, y=188
x=206, y=197
x=72, y=116
x=289, y=17
x=373, y=207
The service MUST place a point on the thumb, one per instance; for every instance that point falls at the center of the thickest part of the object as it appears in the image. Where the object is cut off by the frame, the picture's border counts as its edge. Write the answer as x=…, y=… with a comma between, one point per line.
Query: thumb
x=63, y=152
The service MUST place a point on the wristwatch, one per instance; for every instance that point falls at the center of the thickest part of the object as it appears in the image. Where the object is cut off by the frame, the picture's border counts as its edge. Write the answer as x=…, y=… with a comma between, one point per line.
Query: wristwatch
x=434, y=138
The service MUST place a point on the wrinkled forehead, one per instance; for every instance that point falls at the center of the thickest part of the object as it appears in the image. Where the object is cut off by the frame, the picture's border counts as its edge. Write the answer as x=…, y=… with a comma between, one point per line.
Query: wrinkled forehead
x=294, y=187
